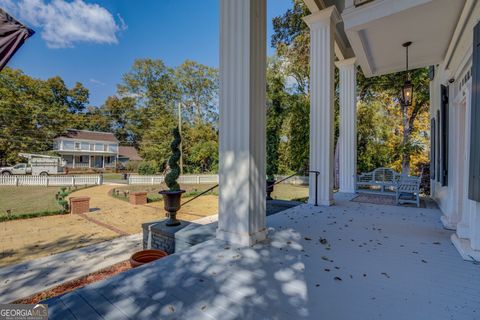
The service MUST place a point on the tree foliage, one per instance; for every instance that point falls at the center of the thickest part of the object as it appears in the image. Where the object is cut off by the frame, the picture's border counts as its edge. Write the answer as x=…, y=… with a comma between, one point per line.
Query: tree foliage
x=387, y=134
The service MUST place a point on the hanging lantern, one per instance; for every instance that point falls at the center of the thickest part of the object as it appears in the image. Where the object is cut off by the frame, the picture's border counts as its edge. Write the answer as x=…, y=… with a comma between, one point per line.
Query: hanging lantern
x=407, y=89
x=407, y=93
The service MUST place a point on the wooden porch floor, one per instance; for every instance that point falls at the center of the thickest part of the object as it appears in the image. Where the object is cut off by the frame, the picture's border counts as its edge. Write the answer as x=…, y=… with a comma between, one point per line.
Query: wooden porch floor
x=349, y=261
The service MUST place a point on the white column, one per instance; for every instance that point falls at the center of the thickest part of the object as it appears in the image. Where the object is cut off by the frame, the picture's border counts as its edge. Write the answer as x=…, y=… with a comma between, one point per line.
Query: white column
x=322, y=27
x=348, y=124
x=73, y=163
x=89, y=161
x=242, y=194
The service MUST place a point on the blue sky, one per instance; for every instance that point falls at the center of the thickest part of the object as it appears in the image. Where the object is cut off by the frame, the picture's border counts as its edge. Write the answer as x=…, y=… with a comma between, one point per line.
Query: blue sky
x=124, y=30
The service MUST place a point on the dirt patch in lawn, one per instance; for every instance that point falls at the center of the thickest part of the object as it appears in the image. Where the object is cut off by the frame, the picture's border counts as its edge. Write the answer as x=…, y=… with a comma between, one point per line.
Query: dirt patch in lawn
x=77, y=283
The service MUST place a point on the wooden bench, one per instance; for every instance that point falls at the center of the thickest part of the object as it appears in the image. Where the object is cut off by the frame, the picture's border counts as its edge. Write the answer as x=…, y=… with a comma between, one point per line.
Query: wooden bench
x=408, y=190
x=381, y=177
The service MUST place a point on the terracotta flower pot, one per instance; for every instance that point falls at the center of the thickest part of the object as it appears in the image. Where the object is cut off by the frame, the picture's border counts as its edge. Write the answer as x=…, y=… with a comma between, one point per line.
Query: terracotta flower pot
x=171, y=203
x=145, y=256
x=270, y=185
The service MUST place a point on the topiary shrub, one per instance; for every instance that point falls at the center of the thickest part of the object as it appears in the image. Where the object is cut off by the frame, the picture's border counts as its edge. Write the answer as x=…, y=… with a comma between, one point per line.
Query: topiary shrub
x=147, y=168
x=172, y=176
x=61, y=198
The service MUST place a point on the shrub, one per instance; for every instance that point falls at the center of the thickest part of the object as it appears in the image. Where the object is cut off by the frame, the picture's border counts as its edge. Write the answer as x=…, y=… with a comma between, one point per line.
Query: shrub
x=147, y=168
x=61, y=198
x=132, y=166
x=172, y=176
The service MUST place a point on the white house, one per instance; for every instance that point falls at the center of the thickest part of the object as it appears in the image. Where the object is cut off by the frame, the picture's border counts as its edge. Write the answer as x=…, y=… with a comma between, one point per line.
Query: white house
x=87, y=149
x=344, y=34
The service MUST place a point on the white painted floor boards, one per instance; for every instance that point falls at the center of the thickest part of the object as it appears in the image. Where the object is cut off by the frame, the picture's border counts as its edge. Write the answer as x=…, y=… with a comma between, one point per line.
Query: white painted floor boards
x=379, y=262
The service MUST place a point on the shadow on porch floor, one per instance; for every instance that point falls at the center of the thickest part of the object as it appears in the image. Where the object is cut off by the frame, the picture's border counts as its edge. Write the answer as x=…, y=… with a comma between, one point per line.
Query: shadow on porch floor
x=349, y=261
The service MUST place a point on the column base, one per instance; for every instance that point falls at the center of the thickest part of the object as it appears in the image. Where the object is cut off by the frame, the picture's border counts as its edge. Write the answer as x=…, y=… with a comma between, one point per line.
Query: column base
x=353, y=191
x=324, y=203
x=463, y=230
x=447, y=224
x=242, y=239
x=464, y=248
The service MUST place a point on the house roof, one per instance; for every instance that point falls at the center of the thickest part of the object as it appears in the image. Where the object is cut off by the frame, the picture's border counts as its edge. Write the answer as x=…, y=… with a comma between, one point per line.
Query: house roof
x=129, y=152
x=89, y=135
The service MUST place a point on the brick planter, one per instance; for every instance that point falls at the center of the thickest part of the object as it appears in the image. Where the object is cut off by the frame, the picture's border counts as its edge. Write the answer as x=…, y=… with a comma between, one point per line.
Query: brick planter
x=79, y=205
x=138, y=198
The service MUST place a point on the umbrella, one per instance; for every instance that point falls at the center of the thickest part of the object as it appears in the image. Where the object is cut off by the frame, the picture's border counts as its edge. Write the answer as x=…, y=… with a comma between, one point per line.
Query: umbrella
x=12, y=36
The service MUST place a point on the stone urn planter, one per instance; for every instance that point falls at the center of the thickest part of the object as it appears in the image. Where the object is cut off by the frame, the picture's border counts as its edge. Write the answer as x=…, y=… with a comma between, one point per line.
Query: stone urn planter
x=270, y=185
x=171, y=203
x=145, y=256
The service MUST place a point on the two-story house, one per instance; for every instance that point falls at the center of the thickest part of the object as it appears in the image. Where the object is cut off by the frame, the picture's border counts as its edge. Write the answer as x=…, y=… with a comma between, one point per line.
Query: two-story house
x=87, y=149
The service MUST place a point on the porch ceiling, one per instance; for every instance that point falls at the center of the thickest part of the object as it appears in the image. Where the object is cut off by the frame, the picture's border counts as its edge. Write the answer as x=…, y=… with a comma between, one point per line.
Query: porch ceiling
x=377, y=30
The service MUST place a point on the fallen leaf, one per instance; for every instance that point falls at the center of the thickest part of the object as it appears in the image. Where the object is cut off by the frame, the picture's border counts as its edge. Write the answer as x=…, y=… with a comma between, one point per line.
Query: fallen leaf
x=337, y=279
x=386, y=274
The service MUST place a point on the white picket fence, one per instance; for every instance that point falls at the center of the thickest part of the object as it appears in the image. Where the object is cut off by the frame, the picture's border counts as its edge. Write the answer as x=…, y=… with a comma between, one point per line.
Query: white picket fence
x=51, y=181
x=299, y=180
x=186, y=179
x=198, y=179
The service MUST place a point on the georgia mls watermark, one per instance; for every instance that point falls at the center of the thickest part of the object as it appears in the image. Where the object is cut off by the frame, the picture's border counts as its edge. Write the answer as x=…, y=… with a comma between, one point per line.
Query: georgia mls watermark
x=23, y=312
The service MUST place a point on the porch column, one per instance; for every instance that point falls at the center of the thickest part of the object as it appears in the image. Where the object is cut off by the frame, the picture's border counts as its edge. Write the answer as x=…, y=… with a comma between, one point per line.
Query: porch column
x=348, y=124
x=242, y=204
x=322, y=27
x=89, y=161
x=73, y=162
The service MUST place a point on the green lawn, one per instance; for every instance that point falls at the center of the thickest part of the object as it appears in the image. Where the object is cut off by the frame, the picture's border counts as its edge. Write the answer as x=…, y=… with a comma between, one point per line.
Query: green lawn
x=27, y=200
x=112, y=176
x=290, y=192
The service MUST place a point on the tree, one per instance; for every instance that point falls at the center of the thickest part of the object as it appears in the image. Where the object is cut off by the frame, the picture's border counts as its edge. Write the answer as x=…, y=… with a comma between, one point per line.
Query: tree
x=152, y=84
x=388, y=87
x=291, y=39
x=125, y=119
x=156, y=141
x=198, y=85
x=276, y=99
x=200, y=148
x=32, y=113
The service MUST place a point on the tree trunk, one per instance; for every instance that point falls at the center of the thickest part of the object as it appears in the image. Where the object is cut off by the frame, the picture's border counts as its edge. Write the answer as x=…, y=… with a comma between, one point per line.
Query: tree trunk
x=406, y=139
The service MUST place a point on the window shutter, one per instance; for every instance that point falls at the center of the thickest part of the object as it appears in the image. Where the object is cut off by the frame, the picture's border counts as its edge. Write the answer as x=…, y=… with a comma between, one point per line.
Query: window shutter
x=444, y=136
x=437, y=148
x=433, y=132
x=474, y=174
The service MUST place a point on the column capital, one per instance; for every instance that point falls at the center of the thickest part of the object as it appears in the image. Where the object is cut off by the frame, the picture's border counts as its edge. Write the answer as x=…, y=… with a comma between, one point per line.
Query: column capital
x=322, y=17
x=346, y=62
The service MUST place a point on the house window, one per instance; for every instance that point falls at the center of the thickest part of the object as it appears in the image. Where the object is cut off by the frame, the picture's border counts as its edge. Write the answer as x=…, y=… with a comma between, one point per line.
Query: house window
x=105, y=147
x=77, y=145
x=92, y=147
